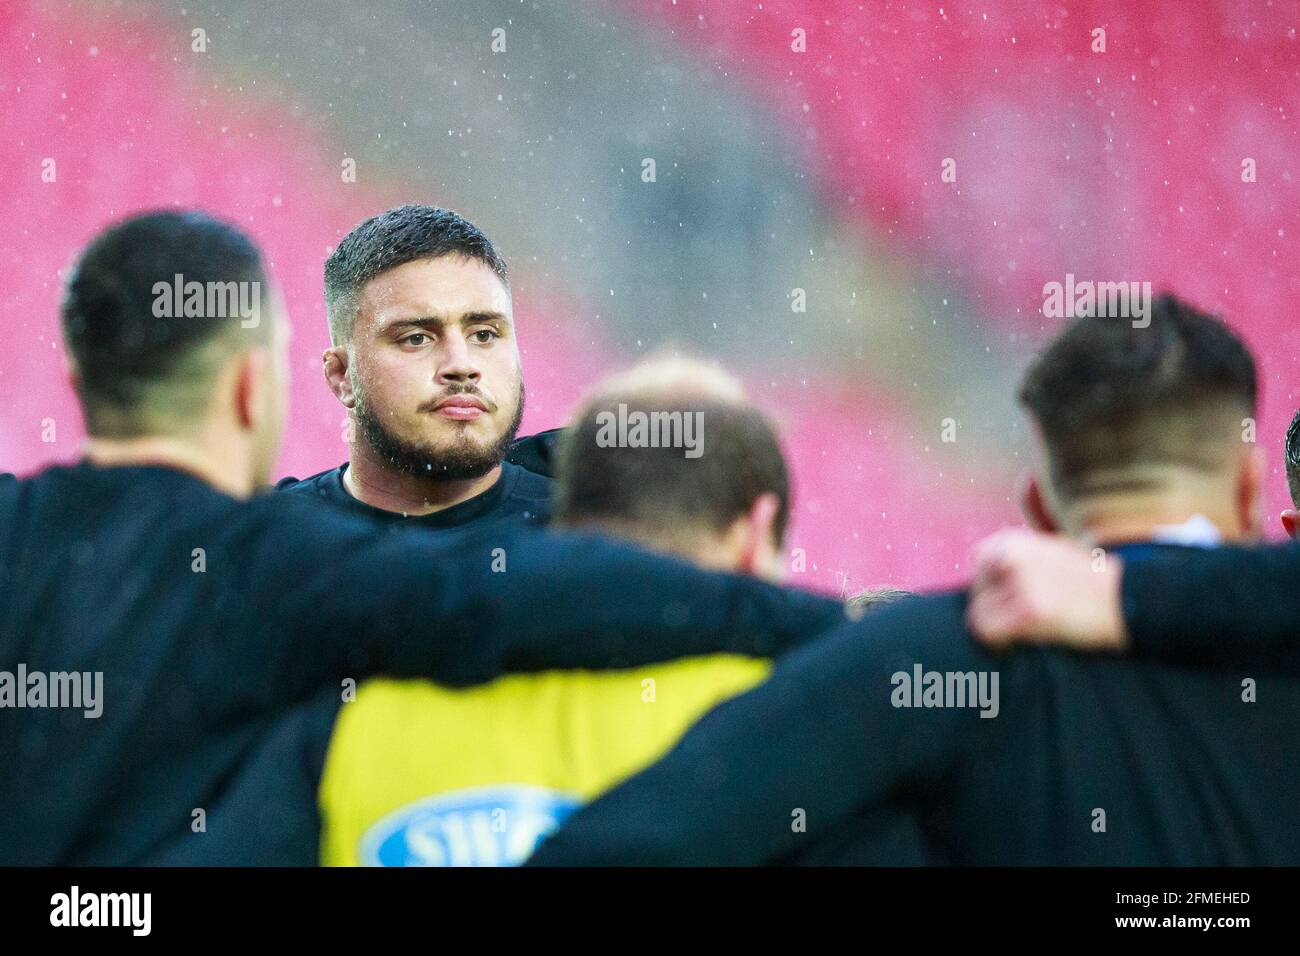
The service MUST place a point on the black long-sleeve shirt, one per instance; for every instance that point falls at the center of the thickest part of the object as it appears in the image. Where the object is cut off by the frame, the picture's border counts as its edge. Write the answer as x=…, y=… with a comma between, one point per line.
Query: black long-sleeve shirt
x=521, y=495
x=209, y=618
x=1089, y=759
x=1220, y=606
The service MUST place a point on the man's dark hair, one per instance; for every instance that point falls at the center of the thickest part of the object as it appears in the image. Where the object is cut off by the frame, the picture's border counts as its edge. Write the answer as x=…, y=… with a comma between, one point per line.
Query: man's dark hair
x=140, y=367
x=1293, y=459
x=392, y=239
x=1111, y=399
x=658, y=494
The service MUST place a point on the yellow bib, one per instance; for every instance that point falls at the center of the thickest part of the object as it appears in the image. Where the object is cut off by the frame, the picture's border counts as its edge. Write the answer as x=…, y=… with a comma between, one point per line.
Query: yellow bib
x=419, y=774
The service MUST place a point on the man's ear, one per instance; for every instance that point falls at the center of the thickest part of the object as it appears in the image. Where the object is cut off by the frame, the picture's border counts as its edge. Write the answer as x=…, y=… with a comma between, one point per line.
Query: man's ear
x=759, y=547
x=71, y=372
x=1250, y=491
x=1033, y=505
x=252, y=380
x=335, y=360
x=1291, y=521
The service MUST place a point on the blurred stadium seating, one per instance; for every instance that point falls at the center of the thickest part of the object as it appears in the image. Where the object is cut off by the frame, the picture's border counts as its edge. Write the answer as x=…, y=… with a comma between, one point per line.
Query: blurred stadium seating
x=775, y=171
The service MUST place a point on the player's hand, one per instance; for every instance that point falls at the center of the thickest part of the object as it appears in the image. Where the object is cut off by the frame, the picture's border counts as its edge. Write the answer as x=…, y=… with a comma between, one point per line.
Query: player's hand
x=1032, y=588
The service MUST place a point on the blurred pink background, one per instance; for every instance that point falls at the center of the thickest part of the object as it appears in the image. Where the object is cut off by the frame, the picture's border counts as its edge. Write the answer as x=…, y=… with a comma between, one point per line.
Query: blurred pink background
x=776, y=170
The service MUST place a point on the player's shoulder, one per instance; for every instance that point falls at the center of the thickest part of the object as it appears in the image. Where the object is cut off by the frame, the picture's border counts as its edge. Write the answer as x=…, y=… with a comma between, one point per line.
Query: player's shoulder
x=13, y=487
x=296, y=521
x=536, y=453
x=531, y=486
x=9, y=492
x=315, y=483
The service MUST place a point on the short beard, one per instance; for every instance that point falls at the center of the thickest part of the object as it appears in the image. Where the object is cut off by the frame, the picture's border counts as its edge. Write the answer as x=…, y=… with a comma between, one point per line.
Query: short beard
x=463, y=462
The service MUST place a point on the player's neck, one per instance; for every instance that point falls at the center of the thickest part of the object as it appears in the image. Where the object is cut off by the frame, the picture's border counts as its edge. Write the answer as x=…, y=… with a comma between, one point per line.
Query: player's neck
x=377, y=484
x=1122, y=522
x=158, y=450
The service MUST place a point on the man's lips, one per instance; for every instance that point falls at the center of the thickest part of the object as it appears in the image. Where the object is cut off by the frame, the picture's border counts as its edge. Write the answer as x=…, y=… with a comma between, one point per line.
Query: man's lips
x=461, y=408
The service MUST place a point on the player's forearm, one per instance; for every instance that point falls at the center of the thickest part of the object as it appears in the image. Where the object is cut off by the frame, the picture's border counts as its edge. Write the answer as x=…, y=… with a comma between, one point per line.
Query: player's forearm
x=585, y=601
x=1216, y=606
x=461, y=613
x=1195, y=607
x=470, y=612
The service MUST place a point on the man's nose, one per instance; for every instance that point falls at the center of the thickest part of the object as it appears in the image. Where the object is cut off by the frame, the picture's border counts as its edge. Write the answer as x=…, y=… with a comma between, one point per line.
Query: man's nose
x=457, y=363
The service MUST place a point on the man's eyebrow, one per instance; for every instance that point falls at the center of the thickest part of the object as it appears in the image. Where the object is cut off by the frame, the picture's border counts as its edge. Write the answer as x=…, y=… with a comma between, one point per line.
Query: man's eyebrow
x=414, y=321
x=478, y=318
x=438, y=321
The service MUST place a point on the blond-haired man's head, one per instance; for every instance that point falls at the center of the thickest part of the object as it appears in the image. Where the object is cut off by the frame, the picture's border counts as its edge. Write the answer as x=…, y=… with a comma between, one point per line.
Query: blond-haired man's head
x=671, y=454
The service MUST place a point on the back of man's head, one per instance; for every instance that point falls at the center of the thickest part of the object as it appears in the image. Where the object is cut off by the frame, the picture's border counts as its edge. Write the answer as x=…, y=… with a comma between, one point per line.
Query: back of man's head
x=671, y=454
x=161, y=313
x=141, y=366
x=1128, y=411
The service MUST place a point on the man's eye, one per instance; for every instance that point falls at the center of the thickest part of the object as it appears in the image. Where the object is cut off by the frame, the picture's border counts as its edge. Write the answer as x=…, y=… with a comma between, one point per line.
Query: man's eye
x=418, y=338
x=484, y=336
